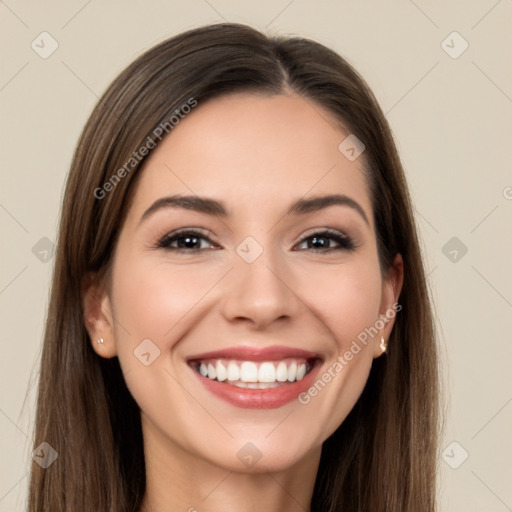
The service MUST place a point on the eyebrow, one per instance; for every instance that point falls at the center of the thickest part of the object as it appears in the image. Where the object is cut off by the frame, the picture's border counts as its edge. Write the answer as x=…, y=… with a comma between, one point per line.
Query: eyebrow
x=217, y=208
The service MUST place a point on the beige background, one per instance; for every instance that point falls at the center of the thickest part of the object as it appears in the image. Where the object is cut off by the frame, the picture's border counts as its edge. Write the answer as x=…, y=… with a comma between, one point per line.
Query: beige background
x=452, y=122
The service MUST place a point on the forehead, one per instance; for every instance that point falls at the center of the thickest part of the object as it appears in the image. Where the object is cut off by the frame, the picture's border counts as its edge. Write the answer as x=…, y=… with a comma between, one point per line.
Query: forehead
x=253, y=151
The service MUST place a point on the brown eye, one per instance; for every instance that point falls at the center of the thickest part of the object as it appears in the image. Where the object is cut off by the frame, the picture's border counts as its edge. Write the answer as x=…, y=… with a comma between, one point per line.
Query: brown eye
x=189, y=241
x=321, y=240
x=195, y=241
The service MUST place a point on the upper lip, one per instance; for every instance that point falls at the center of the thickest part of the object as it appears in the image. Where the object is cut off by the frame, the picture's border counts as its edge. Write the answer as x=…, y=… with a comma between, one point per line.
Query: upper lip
x=247, y=353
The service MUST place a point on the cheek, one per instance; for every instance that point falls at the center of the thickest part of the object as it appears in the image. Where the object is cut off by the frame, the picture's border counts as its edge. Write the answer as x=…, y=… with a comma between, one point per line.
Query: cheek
x=155, y=301
x=152, y=299
x=346, y=299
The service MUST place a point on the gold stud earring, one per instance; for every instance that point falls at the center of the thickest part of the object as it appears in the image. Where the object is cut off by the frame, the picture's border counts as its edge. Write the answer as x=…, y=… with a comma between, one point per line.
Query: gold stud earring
x=383, y=345
x=100, y=341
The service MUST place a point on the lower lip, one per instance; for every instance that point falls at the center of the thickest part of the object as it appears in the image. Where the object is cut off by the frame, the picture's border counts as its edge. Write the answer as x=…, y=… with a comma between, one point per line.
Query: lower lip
x=270, y=398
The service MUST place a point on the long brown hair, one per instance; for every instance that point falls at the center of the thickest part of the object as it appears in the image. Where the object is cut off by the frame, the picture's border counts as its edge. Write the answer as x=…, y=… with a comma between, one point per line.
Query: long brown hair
x=383, y=456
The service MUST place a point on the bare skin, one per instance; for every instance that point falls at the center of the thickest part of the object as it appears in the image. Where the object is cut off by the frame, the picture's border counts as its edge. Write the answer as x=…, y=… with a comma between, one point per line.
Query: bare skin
x=257, y=154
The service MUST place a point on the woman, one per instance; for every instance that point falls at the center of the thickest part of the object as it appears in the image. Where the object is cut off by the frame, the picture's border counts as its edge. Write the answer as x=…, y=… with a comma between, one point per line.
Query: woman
x=239, y=318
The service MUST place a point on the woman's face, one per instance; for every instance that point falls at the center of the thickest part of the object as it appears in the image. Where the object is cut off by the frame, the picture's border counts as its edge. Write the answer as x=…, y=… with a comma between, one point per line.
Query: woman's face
x=257, y=294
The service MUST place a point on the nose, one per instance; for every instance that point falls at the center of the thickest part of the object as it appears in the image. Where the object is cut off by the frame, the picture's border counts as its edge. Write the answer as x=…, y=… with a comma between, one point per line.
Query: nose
x=260, y=292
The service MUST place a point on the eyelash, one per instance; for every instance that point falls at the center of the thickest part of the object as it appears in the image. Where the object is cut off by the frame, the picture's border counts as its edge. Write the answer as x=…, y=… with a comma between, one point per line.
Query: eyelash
x=344, y=241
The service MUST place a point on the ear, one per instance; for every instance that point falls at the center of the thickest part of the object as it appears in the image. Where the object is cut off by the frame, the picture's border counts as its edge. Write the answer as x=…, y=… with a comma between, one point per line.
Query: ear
x=98, y=318
x=389, y=307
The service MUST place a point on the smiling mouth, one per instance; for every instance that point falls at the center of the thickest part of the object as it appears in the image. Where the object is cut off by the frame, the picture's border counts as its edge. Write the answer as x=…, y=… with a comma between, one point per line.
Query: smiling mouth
x=254, y=374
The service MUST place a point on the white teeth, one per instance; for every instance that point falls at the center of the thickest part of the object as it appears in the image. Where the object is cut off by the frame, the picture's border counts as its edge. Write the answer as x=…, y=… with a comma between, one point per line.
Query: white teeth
x=222, y=373
x=250, y=374
x=233, y=371
x=282, y=372
x=211, y=371
x=267, y=372
x=255, y=385
x=292, y=372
